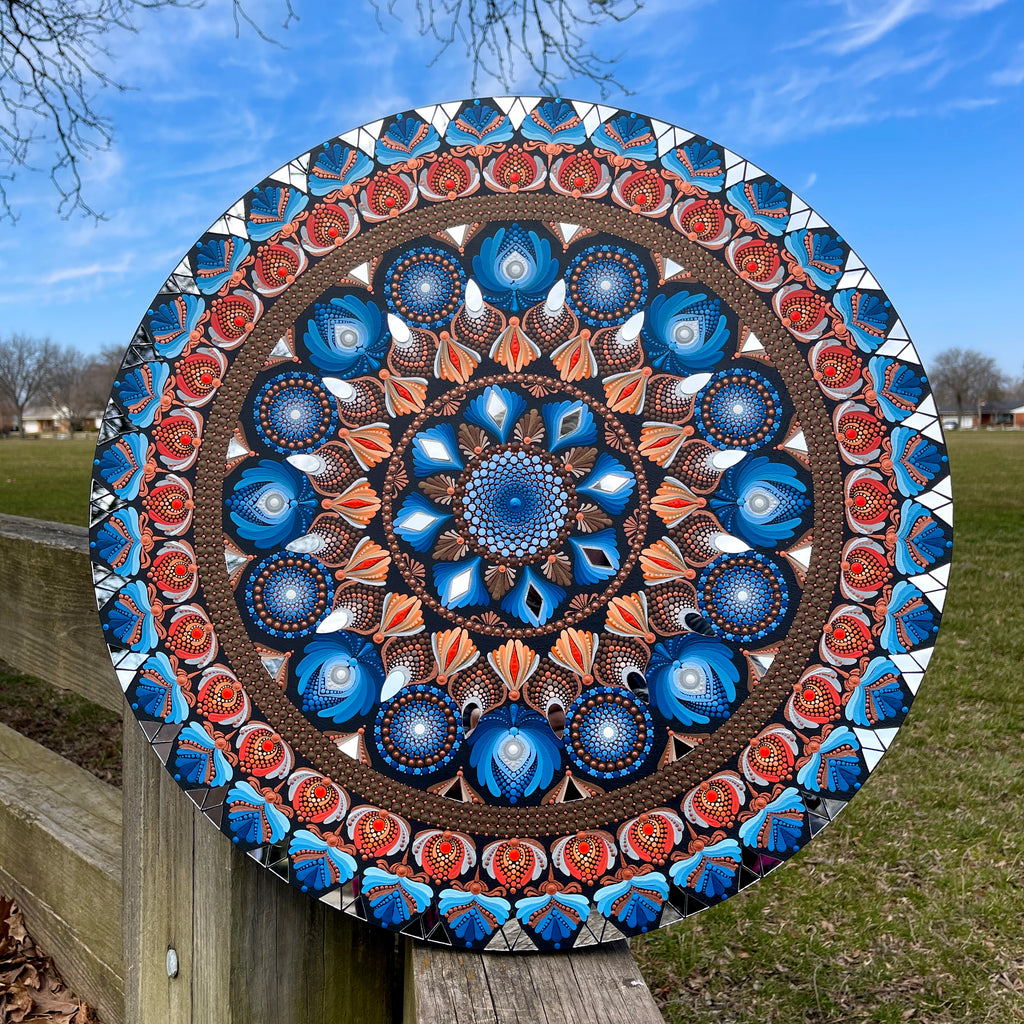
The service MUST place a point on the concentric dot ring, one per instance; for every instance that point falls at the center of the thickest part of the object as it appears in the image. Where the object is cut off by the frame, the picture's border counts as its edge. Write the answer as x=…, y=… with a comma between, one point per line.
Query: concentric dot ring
x=606, y=285
x=744, y=597
x=515, y=503
x=425, y=286
x=288, y=595
x=420, y=731
x=295, y=413
x=608, y=734
x=739, y=409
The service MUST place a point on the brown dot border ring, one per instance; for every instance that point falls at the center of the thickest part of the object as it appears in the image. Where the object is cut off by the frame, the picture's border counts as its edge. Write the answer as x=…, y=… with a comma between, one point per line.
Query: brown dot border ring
x=520, y=524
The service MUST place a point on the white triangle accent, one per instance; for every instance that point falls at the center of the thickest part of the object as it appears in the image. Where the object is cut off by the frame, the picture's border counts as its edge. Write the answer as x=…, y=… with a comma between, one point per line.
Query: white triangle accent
x=282, y=350
x=451, y=109
x=868, y=740
x=672, y=269
x=797, y=443
x=924, y=656
x=734, y=174
x=752, y=343
x=904, y=662
x=361, y=273
x=605, y=112
x=927, y=406
x=871, y=758
x=457, y=233
x=505, y=103
x=942, y=574
x=894, y=348
x=937, y=598
x=368, y=141
x=568, y=230
x=235, y=450
x=233, y=561
x=899, y=331
x=944, y=487
x=373, y=128
x=753, y=171
x=886, y=736
x=799, y=220
x=272, y=665
x=934, y=431
x=731, y=159
x=763, y=661
x=350, y=746
x=927, y=583
x=850, y=279
x=869, y=281
x=125, y=676
x=802, y=555
x=918, y=421
x=522, y=107
x=853, y=262
x=427, y=113
x=797, y=205
x=913, y=681
x=351, y=137
x=814, y=221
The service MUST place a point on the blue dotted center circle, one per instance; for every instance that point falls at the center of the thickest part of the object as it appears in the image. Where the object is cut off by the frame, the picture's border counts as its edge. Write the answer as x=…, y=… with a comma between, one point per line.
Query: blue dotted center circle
x=418, y=723
x=515, y=503
x=293, y=412
x=298, y=596
x=611, y=729
x=425, y=286
x=739, y=410
x=606, y=285
x=743, y=598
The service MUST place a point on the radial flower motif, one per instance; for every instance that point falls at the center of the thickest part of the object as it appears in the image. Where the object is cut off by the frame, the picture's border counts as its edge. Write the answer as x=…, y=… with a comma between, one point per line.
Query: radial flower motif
x=686, y=332
x=515, y=267
x=693, y=679
x=761, y=501
x=345, y=337
x=339, y=678
x=514, y=752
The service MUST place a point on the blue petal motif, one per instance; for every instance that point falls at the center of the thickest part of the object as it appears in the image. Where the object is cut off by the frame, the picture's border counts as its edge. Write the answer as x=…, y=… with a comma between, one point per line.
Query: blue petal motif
x=252, y=819
x=685, y=332
x=761, y=501
x=460, y=584
x=609, y=483
x=496, y=410
x=405, y=139
x=339, y=677
x=217, y=259
x=271, y=208
x=878, y=695
x=834, y=765
x=553, y=919
x=909, y=620
x=473, y=918
x=697, y=163
x=920, y=540
x=554, y=121
x=515, y=268
x=128, y=619
x=198, y=760
x=478, y=124
x=634, y=904
x=710, y=872
x=272, y=503
x=394, y=899
x=317, y=864
x=692, y=679
x=898, y=390
x=765, y=203
x=568, y=423
x=345, y=337
x=435, y=450
x=172, y=323
x=867, y=317
x=627, y=135
x=337, y=166
x=916, y=462
x=122, y=465
x=779, y=826
x=119, y=542
x=514, y=752
x=819, y=254
x=418, y=522
x=596, y=556
x=533, y=599
x=157, y=691
x=139, y=392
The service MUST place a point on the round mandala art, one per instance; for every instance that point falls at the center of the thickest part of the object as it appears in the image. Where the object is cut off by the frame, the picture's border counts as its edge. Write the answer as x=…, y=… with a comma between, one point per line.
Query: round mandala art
x=519, y=527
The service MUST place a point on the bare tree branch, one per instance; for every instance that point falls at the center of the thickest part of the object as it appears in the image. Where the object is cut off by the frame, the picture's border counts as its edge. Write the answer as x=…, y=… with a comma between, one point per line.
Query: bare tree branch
x=499, y=37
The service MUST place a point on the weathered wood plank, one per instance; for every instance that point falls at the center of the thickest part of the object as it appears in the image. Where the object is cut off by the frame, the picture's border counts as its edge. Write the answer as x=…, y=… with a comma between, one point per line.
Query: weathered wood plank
x=48, y=612
x=60, y=858
x=250, y=948
x=587, y=986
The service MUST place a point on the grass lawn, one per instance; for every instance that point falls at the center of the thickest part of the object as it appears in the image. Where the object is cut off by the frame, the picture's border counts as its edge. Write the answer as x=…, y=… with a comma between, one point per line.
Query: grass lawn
x=910, y=906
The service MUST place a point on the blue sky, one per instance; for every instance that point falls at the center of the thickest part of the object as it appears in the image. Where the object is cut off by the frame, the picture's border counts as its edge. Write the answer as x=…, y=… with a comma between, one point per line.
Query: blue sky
x=900, y=121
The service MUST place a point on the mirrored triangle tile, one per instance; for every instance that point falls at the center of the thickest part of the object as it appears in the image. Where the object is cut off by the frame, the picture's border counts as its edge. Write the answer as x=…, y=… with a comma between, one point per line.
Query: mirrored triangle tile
x=416, y=928
x=816, y=822
x=670, y=915
x=215, y=813
x=498, y=942
x=850, y=279
x=868, y=739
x=164, y=750
x=439, y=934
x=332, y=898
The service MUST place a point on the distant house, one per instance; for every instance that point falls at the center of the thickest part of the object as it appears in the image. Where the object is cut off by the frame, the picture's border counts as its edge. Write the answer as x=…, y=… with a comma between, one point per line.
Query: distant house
x=48, y=421
x=994, y=416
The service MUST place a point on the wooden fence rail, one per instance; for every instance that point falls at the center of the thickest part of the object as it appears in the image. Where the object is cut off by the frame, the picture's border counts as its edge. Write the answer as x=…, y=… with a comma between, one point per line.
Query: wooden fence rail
x=249, y=949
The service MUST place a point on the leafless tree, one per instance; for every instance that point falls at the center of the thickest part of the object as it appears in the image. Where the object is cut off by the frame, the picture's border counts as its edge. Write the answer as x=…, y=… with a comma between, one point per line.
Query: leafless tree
x=498, y=37
x=24, y=371
x=965, y=379
x=52, y=54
